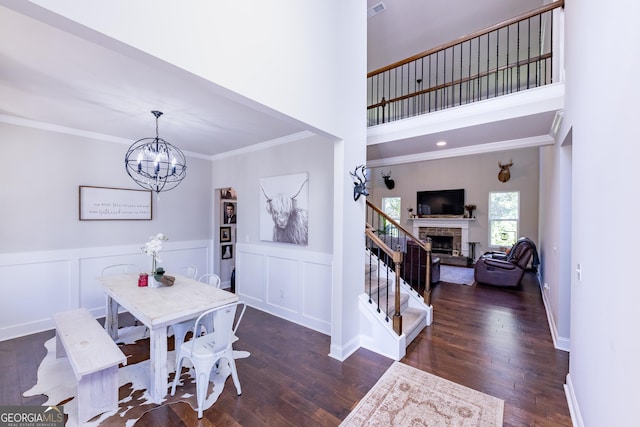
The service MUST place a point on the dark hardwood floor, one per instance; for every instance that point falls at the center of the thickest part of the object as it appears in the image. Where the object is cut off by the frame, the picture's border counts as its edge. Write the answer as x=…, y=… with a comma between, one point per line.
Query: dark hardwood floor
x=490, y=339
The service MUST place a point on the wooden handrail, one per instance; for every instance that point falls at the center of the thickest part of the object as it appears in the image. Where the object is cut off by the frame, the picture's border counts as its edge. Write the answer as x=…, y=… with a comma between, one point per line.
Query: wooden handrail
x=371, y=233
x=460, y=81
x=425, y=246
x=397, y=225
x=546, y=8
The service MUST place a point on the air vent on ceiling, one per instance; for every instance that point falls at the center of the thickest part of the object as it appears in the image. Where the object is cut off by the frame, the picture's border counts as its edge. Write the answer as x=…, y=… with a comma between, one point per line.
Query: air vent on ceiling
x=376, y=9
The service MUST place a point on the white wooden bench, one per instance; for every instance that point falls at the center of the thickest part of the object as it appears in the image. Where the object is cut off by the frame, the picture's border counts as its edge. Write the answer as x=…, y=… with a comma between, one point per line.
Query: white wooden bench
x=94, y=357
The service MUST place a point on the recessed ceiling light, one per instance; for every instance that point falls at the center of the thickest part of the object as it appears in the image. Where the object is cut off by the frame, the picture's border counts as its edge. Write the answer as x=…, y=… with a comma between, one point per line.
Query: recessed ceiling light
x=441, y=143
x=378, y=8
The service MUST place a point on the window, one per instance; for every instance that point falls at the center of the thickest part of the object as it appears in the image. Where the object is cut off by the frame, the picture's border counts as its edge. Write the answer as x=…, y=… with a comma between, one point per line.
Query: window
x=391, y=207
x=504, y=216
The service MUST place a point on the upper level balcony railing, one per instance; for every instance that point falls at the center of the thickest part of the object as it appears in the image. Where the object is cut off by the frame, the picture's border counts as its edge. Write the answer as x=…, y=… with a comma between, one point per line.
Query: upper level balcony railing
x=509, y=57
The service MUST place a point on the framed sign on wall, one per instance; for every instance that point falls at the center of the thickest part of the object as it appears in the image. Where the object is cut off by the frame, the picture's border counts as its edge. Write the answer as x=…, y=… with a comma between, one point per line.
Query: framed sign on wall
x=106, y=203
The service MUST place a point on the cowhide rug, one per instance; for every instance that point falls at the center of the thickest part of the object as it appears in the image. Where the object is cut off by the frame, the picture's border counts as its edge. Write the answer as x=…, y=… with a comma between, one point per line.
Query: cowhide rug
x=57, y=381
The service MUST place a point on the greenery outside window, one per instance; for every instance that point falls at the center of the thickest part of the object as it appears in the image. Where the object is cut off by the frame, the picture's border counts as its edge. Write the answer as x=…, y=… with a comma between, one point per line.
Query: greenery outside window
x=504, y=218
x=391, y=206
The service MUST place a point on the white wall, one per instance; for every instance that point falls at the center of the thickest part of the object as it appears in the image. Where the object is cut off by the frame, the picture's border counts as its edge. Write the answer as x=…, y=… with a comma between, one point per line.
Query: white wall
x=602, y=112
x=304, y=59
x=291, y=281
x=259, y=50
x=49, y=259
x=40, y=194
x=555, y=238
x=477, y=175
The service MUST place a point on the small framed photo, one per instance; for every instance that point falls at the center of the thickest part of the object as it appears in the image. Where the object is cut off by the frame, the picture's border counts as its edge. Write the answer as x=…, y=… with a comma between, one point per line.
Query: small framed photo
x=225, y=234
x=228, y=194
x=229, y=213
x=227, y=251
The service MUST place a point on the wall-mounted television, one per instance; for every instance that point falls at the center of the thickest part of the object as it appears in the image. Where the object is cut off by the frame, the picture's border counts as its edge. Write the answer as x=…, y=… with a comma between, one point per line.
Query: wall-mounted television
x=441, y=202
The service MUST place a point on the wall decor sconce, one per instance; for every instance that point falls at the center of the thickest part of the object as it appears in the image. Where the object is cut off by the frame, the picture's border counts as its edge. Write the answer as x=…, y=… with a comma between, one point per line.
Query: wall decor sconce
x=360, y=186
x=154, y=164
x=504, y=175
x=387, y=180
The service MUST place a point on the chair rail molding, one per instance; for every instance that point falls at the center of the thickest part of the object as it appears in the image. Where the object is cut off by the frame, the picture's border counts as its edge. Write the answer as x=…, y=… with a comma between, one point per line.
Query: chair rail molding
x=48, y=282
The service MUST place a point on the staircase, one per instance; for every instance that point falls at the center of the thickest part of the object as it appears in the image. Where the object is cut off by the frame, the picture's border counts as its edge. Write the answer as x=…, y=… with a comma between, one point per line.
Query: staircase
x=392, y=313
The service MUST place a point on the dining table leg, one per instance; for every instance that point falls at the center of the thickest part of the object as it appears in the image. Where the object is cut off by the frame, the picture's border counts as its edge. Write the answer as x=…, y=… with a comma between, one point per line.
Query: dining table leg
x=111, y=319
x=158, y=364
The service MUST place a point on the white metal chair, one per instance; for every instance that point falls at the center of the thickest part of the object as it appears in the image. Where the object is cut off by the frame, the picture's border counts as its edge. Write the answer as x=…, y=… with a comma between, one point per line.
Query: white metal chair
x=114, y=269
x=190, y=271
x=207, y=350
x=211, y=279
x=180, y=329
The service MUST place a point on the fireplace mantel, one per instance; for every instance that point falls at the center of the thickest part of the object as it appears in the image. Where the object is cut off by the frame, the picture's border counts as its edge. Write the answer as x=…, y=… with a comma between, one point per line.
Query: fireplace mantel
x=445, y=222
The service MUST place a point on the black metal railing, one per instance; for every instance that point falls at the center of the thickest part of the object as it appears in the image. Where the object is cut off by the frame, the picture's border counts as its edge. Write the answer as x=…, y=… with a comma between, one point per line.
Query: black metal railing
x=394, y=254
x=508, y=57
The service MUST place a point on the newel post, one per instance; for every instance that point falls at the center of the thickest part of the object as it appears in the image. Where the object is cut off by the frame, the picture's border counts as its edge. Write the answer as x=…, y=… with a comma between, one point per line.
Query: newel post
x=397, y=317
x=427, y=287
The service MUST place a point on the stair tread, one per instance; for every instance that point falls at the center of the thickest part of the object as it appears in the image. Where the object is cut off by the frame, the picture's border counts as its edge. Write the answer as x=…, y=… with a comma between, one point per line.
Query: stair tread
x=412, y=315
x=412, y=318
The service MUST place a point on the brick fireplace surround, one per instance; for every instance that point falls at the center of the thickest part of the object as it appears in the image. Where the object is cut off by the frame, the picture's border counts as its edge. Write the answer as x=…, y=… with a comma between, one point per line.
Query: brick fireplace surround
x=456, y=227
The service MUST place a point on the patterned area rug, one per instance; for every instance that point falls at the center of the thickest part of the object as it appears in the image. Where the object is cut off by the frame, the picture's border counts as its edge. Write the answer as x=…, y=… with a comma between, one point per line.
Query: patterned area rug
x=406, y=396
x=453, y=274
x=57, y=381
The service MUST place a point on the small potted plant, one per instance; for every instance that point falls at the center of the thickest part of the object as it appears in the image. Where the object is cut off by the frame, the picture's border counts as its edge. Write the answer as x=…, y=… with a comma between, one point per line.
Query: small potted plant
x=410, y=210
x=152, y=248
x=470, y=208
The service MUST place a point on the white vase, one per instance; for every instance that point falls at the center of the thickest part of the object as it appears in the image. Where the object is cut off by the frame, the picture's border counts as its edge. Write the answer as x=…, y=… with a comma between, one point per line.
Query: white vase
x=153, y=283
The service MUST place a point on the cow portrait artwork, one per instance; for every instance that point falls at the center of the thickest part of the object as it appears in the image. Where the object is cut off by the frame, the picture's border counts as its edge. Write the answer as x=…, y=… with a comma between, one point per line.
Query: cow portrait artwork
x=286, y=205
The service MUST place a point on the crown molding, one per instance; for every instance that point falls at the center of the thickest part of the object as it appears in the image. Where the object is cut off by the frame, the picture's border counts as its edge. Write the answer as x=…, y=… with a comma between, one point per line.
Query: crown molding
x=515, y=144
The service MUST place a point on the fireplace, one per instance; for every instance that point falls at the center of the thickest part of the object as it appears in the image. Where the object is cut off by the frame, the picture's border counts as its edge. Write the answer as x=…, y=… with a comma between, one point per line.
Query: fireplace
x=441, y=244
x=447, y=234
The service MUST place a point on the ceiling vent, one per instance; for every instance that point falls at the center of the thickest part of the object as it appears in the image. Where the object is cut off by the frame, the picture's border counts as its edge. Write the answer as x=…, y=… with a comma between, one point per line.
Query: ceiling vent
x=376, y=9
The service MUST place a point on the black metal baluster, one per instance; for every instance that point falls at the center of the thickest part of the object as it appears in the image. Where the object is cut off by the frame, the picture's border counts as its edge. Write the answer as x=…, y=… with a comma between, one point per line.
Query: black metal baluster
x=528, y=53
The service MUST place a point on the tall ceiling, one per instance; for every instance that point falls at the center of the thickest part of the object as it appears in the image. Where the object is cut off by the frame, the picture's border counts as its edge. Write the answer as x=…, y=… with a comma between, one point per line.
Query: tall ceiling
x=409, y=27
x=52, y=78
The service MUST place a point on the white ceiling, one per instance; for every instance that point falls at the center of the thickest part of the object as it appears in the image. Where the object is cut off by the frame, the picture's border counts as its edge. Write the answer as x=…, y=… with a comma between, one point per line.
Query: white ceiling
x=409, y=27
x=53, y=78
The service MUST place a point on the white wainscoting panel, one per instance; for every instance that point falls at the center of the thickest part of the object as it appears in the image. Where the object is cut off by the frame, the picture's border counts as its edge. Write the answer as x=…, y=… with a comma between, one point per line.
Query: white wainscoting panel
x=283, y=283
x=31, y=293
x=316, y=299
x=288, y=282
x=252, y=268
x=38, y=284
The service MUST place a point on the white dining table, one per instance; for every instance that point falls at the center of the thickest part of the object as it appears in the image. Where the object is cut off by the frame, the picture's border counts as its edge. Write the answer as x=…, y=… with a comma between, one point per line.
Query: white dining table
x=157, y=309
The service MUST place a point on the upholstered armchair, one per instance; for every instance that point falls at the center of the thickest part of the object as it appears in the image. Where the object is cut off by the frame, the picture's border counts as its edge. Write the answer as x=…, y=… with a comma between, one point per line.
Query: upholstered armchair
x=506, y=269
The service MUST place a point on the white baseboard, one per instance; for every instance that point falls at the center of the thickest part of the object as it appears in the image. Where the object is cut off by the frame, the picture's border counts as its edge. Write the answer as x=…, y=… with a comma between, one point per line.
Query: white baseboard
x=560, y=343
x=574, y=409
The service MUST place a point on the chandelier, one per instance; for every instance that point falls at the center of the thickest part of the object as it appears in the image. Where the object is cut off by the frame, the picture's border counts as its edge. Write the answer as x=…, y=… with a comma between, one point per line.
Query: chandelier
x=155, y=164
